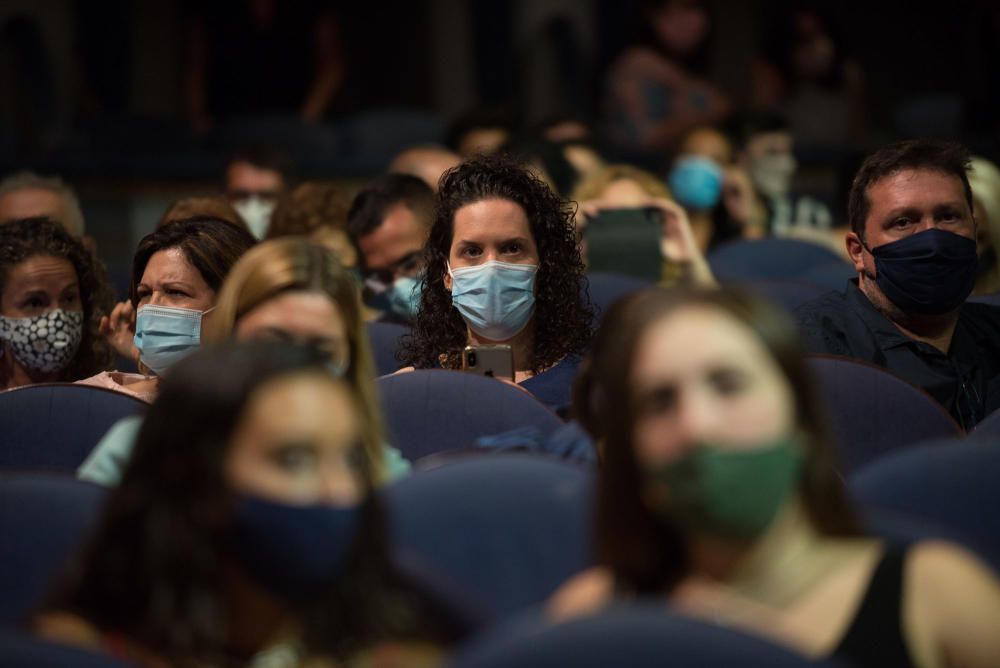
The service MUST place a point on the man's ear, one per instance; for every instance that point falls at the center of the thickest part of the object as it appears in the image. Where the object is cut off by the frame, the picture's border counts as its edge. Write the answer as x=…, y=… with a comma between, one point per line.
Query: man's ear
x=856, y=250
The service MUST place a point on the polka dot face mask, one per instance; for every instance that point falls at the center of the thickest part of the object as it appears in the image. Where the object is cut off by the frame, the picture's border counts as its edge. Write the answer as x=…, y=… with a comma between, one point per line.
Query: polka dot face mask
x=44, y=343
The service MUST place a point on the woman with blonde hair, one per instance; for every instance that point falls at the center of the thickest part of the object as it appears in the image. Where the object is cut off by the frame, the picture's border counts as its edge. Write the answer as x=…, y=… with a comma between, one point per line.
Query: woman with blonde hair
x=288, y=290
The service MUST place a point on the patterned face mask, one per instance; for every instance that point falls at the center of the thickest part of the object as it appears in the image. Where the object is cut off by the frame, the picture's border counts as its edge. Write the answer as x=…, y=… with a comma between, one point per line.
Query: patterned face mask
x=44, y=343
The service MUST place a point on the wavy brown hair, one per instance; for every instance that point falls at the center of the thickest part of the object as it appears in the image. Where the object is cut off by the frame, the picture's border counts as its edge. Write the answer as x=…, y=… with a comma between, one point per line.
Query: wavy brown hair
x=645, y=555
x=21, y=240
x=563, y=315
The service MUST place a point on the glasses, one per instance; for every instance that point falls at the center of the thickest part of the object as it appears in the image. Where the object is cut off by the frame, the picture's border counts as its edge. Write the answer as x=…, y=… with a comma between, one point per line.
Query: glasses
x=380, y=280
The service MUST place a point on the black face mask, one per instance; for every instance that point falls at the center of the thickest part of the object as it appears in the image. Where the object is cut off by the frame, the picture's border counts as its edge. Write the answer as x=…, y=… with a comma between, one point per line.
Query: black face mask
x=931, y=272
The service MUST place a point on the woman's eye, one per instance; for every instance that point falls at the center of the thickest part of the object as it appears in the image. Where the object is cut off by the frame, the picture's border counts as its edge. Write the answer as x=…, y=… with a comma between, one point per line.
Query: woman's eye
x=177, y=293
x=472, y=251
x=512, y=248
x=659, y=402
x=295, y=459
x=729, y=384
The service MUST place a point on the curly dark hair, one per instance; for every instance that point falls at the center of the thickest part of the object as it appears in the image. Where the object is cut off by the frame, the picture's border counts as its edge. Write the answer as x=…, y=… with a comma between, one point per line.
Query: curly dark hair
x=563, y=315
x=26, y=238
x=153, y=568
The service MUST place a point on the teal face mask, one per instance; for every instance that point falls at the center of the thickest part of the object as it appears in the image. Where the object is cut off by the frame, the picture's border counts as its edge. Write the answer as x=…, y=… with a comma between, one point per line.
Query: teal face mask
x=165, y=334
x=496, y=299
x=404, y=297
x=731, y=494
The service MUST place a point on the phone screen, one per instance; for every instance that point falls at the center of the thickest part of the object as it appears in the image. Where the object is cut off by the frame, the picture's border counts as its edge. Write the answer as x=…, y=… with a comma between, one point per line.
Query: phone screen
x=625, y=241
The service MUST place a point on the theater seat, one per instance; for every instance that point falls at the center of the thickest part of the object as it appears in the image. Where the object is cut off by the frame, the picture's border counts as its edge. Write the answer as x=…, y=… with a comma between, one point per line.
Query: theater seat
x=43, y=520
x=872, y=412
x=54, y=426
x=431, y=410
x=384, y=340
x=948, y=483
x=492, y=534
x=768, y=259
x=607, y=288
x=638, y=635
x=988, y=429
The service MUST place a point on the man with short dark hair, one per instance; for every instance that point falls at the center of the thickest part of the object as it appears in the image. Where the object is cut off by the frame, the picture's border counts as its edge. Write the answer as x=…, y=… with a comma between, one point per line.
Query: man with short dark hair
x=389, y=221
x=913, y=243
x=254, y=179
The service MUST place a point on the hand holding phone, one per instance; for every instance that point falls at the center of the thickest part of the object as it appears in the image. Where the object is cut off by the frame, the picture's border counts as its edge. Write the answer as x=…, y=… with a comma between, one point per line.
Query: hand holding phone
x=496, y=361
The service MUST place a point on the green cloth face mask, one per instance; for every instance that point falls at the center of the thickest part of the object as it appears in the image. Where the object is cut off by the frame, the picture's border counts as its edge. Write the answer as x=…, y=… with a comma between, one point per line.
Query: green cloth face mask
x=731, y=494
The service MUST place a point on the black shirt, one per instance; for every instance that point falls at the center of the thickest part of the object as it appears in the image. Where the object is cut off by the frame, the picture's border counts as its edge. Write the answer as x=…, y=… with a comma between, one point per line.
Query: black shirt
x=966, y=381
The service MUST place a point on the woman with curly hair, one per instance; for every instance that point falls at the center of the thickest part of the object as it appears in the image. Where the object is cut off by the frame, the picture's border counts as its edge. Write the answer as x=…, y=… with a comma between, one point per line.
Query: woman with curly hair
x=503, y=267
x=52, y=296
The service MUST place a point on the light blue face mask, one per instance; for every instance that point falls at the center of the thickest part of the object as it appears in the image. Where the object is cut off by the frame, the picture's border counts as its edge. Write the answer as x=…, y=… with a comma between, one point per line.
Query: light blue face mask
x=496, y=299
x=165, y=334
x=404, y=297
x=696, y=182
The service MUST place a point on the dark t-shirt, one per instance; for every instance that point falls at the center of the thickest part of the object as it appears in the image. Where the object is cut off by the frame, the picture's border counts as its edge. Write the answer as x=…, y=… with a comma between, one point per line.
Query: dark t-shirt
x=966, y=381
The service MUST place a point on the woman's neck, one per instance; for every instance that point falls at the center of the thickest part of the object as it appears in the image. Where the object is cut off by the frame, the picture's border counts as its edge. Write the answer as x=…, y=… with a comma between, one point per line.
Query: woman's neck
x=772, y=570
x=522, y=346
x=256, y=618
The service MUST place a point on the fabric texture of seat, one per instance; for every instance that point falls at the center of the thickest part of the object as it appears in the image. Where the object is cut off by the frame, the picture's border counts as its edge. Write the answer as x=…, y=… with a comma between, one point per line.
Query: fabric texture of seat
x=492, y=534
x=771, y=258
x=54, y=426
x=384, y=340
x=988, y=429
x=786, y=294
x=606, y=288
x=872, y=412
x=432, y=410
x=640, y=635
x=43, y=520
x=949, y=483
x=24, y=651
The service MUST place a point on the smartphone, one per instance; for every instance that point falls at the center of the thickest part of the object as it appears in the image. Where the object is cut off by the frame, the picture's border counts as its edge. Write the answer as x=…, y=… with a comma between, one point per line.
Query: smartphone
x=626, y=241
x=496, y=361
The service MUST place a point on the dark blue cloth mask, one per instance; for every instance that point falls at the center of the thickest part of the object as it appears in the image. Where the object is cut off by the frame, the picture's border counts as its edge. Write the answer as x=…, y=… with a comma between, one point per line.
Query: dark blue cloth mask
x=929, y=272
x=295, y=552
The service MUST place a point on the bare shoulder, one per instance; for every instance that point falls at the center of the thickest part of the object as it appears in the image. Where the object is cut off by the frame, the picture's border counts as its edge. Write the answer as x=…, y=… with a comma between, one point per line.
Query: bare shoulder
x=945, y=564
x=583, y=594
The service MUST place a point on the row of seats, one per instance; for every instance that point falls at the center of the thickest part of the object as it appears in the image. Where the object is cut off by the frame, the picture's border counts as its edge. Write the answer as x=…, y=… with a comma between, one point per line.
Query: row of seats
x=537, y=534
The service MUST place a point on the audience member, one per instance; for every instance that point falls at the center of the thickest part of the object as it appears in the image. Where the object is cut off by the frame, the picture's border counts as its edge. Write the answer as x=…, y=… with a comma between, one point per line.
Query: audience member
x=657, y=90
x=316, y=210
x=291, y=290
x=202, y=207
x=718, y=491
x=481, y=131
x=503, y=267
x=913, y=244
x=764, y=150
x=984, y=179
x=389, y=221
x=427, y=163
x=804, y=72
x=28, y=195
x=244, y=528
x=254, y=180
x=177, y=272
x=53, y=294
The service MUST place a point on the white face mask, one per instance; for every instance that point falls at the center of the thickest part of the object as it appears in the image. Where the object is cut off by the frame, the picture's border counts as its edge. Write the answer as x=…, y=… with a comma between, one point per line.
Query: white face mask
x=256, y=212
x=45, y=343
x=772, y=174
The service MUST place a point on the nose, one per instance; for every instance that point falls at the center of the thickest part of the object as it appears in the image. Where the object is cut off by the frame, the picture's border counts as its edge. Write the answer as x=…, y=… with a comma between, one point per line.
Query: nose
x=697, y=421
x=340, y=487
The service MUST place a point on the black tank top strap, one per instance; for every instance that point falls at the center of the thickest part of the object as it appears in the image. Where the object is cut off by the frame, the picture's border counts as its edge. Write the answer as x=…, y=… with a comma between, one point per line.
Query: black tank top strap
x=875, y=636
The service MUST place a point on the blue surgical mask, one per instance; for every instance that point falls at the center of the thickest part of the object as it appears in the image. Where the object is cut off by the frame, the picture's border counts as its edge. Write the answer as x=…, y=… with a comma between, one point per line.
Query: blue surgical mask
x=165, y=334
x=929, y=272
x=496, y=299
x=295, y=552
x=696, y=182
x=404, y=297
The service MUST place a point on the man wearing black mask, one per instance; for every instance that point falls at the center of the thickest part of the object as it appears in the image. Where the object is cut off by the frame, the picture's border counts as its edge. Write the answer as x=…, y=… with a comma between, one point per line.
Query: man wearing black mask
x=913, y=243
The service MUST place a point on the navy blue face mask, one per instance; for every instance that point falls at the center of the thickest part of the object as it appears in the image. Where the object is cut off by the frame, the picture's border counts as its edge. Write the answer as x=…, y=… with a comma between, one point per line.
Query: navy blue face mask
x=930, y=272
x=295, y=552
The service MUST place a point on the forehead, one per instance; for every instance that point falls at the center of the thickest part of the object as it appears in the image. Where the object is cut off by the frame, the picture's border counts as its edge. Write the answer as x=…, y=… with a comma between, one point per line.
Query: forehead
x=693, y=340
x=298, y=313
x=491, y=219
x=245, y=176
x=31, y=203
x=306, y=405
x=170, y=264
x=706, y=143
x=40, y=271
x=914, y=188
x=400, y=233
x=625, y=192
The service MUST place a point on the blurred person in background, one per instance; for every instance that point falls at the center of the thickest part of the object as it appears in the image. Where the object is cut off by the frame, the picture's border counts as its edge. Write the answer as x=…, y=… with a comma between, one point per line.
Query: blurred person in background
x=503, y=267
x=177, y=272
x=719, y=492
x=479, y=131
x=275, y=549
x=427, y=163
x=254, y=179
x=317, y=210
x=984, y=179
x=389, y=221
x=657, y=90
x=804, y=72
x=202, y=207
x=28, y=195
x=53, y=296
